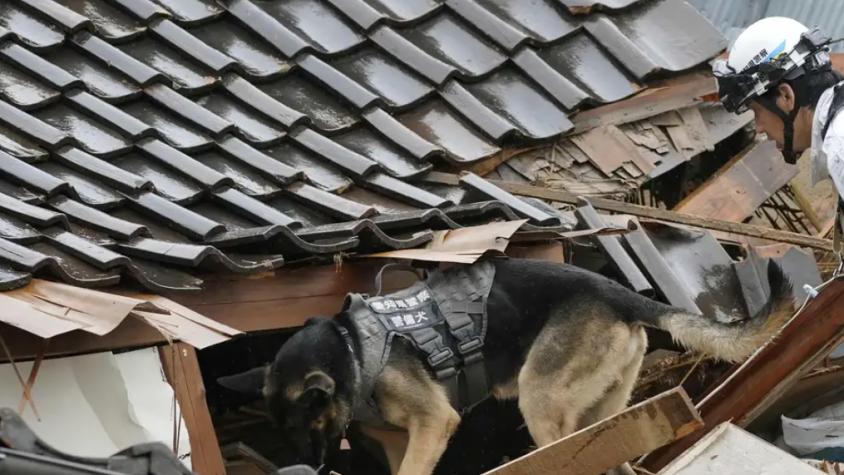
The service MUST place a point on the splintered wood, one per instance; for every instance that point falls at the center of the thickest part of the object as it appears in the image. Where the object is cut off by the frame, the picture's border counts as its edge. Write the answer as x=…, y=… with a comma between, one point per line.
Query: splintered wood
x=740, y=186
x=761, y=380
x=613, y=441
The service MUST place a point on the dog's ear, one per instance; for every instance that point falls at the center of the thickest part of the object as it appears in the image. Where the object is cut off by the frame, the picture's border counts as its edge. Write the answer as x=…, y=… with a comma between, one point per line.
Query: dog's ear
x=317, y=393
x=250, y=383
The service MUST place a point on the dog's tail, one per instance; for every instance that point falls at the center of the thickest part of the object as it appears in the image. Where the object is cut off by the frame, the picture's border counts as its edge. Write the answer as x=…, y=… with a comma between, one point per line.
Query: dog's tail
x=734, y=341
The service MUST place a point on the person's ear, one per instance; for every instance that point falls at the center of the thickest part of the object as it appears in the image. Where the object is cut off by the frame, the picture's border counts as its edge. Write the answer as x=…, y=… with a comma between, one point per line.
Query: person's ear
x=786, y=99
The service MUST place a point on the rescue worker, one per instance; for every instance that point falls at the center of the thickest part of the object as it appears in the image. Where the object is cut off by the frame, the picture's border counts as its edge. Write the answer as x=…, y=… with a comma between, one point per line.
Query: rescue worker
x=781, y=70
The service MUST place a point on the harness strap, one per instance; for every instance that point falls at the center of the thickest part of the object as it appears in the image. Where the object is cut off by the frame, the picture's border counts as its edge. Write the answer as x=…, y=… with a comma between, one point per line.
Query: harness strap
x=379, y=277
x=469, y=346
x=440, y=359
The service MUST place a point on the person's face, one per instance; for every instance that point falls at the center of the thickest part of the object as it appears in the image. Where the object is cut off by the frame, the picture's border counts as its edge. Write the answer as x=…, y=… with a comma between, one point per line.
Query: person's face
x=770, y=123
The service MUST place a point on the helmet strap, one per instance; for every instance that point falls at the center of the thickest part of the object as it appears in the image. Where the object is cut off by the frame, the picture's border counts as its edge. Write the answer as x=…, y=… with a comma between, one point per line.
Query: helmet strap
x=788, y=152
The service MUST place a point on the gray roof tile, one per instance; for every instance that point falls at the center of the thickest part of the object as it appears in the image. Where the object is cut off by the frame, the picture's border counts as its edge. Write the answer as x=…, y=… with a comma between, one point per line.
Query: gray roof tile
x=395, y=161
x=19, y=171
x=23, y=89
x=315, y=23
x=250, y=124
x=175, y=130
x=246, y=178
x=328, y=112
x=316, y=170
x=191, y=11
x=397, y=86
x=587, y=6
x=191, y=45
x=177, y=67
x=541, y=20
x=36, y=65
x=110, y=21
x=435, y=122
x=143, y=9
x=14, y=143
x=260, y=161
x=102, y=81
x=175, y=187
x=580, y=60
x=165, y=129
x=117, y=59
x=405, y=10
x=454, y=42
x=33, y=30
x=17, y=231
x=512, y=96
x=68, y=19
x=256, y=57
x=262, y=23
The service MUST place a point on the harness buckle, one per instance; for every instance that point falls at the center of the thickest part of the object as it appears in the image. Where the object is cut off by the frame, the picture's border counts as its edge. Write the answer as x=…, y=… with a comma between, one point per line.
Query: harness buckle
x=470, y=345
x=440, y=356
x=470, y=350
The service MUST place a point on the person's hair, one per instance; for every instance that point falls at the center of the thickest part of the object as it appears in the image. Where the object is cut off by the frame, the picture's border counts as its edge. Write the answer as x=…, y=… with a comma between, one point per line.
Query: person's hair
x=809, y=87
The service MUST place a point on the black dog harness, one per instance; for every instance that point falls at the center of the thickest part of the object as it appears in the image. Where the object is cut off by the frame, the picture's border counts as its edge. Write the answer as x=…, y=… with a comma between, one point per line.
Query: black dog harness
x=443, y=317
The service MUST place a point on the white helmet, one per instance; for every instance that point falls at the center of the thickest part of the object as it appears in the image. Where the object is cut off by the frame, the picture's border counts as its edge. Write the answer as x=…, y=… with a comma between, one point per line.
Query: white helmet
x=765, y=40
x=768, y=52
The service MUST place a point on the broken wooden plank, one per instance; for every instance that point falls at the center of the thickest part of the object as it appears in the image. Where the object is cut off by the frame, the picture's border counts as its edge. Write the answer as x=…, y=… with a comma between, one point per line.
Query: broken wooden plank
x=755, y=385
x=486, y=166
x=729, y=450
x=613, y=206
x=676, y=93
x=608, y=148
x=740, y=186
x=182, y=370
x=612, y=441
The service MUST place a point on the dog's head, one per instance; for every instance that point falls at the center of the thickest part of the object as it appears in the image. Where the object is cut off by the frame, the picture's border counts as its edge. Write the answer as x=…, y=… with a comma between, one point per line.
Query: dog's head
x=308, y=405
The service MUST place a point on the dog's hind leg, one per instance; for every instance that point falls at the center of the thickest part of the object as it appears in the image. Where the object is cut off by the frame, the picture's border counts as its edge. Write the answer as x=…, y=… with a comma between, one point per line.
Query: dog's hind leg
x=568, y=369
x=617, y=396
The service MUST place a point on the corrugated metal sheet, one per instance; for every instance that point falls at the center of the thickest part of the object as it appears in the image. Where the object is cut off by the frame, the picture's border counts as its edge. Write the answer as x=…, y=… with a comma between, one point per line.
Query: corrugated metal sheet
x=732, y=16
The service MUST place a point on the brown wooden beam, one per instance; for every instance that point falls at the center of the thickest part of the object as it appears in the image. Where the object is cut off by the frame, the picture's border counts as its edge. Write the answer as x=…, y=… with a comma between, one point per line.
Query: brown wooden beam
x=270, y=301
x=181, y=368
x=769, y=373
x=652, y=213
x=613, y=441
x=673, y=94
x=276, y=300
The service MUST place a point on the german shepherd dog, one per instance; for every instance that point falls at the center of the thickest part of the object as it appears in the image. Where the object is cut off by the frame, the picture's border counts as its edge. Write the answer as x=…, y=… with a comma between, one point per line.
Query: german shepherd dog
x=565, y=341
